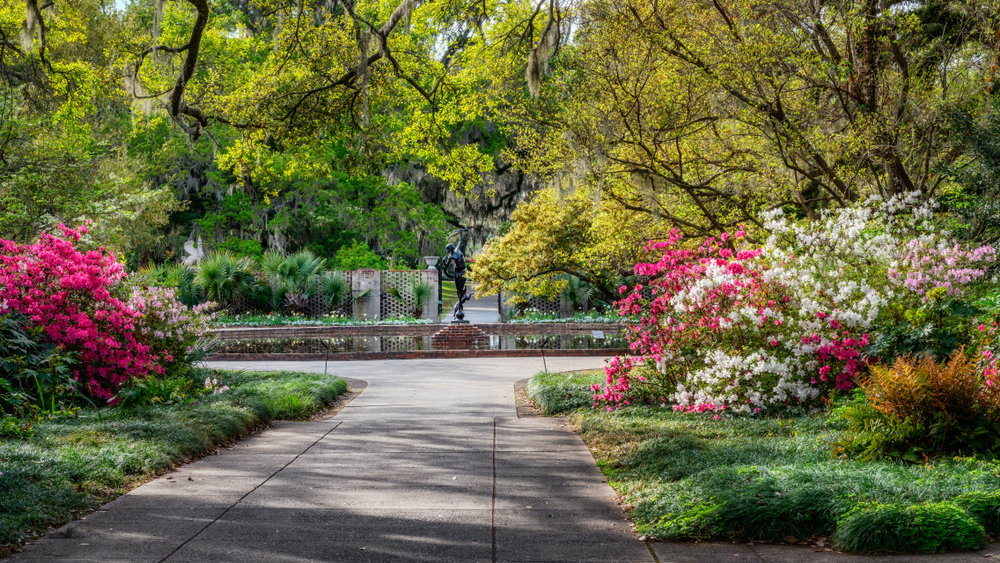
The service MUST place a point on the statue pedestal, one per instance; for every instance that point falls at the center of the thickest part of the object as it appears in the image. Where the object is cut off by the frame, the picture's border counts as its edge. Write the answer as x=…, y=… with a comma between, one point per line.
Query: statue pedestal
x=464, y=337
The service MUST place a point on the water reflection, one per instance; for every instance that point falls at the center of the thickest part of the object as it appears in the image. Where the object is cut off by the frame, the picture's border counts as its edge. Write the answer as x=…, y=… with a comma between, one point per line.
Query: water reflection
x=412, y=343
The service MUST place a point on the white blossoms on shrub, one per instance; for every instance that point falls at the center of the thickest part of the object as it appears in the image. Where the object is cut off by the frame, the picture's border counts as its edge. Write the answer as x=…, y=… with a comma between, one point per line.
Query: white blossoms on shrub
x=786, y=323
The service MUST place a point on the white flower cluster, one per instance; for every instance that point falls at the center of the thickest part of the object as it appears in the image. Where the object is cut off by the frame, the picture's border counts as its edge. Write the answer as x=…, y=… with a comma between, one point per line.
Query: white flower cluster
x=835, y=271
x=839, y=264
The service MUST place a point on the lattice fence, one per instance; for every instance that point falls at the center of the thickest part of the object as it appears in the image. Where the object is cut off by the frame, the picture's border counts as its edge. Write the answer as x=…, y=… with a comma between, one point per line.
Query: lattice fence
x=545, y=306
x=403, y=280
x=316, y=306
x=402, y=343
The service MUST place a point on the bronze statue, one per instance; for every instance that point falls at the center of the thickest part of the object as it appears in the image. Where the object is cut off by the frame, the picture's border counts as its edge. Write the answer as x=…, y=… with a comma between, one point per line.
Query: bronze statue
x=455, y=259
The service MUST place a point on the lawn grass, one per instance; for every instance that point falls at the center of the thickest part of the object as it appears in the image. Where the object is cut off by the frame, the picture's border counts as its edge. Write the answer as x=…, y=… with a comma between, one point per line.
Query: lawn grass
x=687, y=476
x=557, y=393
x=448, y=297
x=73, y=464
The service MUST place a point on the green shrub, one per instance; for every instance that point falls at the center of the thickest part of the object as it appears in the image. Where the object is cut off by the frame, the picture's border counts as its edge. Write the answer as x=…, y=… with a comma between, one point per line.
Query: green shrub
x=13, y=428
x=901, y=528
x=241, y=247
x=872, y=434
x=562, y=392
x=939, y=326
x=36, y=375
x=984, y=507
x=358, y=256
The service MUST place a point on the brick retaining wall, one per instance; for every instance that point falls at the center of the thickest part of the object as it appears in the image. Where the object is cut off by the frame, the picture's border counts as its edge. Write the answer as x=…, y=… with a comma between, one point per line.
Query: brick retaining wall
x=328, y=331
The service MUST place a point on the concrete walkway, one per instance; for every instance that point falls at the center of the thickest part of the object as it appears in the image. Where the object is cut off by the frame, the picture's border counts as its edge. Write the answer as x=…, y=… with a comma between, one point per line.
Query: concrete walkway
x=479, y=310
x=429, y=464
x=482, y=310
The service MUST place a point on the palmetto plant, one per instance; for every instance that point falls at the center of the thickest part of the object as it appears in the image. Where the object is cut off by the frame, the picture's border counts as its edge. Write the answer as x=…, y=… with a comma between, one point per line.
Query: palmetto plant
x=171, y=275
x=334, y=287
x=223, y=277
x=292, y=279
x=419, y=295
x=578, y=293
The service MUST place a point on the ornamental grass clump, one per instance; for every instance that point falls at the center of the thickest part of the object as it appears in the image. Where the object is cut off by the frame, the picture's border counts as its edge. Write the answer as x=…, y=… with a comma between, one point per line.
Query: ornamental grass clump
x=902, y=528
x=920, y=408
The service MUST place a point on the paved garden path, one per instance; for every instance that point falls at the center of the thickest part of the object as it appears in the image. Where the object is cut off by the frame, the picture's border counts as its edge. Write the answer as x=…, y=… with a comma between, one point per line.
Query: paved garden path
x=481, y=310
x=429, y=464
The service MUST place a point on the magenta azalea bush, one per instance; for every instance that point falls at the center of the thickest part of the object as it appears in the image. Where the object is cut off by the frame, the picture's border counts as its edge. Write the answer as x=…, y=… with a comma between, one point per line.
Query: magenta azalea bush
x=81, y=302
x=726, y=326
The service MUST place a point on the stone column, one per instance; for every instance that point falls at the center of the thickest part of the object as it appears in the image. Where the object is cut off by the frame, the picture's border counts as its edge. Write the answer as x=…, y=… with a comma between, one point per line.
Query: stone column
x=368, y=308
x=431, y=310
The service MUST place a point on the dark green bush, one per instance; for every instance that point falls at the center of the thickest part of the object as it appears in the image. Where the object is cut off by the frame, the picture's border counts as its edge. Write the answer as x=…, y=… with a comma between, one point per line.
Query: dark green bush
x=902, y=528
x=35, y=374
x=938, y=327
x=984, y=507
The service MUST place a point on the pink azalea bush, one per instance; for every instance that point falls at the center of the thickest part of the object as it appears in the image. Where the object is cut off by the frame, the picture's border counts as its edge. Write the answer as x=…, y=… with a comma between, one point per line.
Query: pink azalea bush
x=171, y=328
x=923, y=267
x=729, y=327
x=80, y=300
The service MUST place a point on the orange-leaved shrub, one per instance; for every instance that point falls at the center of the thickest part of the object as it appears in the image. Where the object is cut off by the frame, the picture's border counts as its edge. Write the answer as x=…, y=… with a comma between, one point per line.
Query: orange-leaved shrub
x=920, y=408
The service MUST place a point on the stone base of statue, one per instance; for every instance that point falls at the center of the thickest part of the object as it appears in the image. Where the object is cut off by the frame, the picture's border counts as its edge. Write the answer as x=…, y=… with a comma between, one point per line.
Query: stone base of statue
x=460, y=337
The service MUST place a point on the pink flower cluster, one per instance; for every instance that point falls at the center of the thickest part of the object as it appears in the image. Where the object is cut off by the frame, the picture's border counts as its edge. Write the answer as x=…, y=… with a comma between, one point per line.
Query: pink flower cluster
x=168, y=325
x=924, y=267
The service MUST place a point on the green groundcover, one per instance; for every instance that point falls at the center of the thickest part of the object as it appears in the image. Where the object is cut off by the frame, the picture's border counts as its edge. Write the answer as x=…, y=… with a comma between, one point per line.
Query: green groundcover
x=687, y=476
x=70, y=464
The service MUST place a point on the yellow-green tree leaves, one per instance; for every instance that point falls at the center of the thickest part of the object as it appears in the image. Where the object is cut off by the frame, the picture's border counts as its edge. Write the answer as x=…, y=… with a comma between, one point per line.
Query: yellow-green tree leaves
x=553, y=237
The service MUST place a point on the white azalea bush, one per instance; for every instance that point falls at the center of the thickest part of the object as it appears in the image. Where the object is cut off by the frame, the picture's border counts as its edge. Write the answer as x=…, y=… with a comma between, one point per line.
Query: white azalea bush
x=729, y=327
